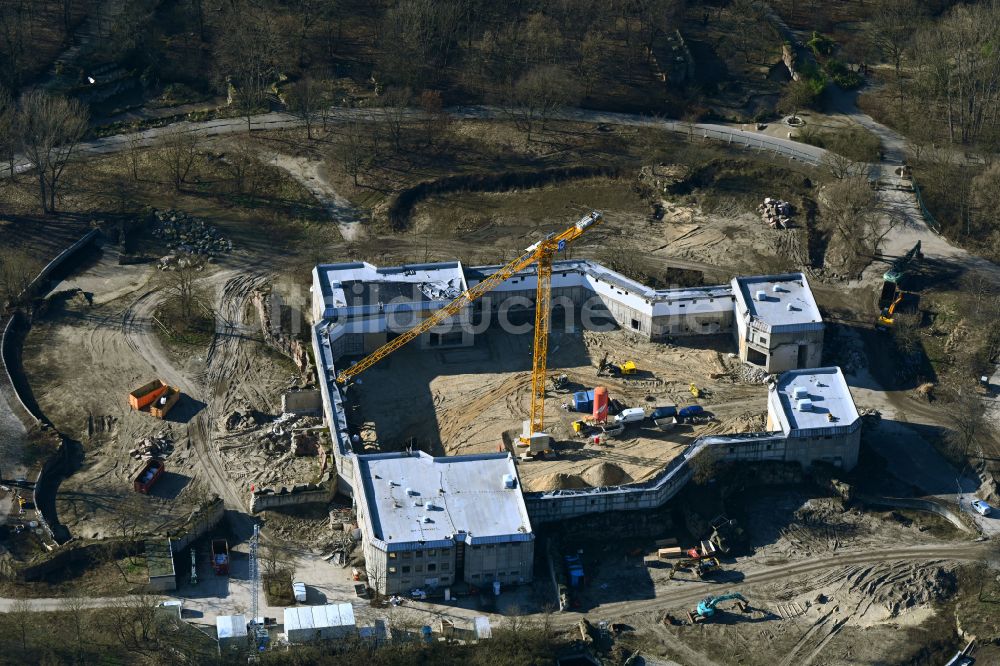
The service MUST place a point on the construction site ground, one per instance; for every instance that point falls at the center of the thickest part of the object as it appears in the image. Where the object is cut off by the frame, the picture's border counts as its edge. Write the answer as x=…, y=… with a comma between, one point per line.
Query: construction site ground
x=474, y=399
x=97, y=342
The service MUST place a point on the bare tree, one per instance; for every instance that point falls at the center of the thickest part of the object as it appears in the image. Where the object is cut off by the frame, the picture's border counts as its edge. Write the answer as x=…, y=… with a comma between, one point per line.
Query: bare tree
x=8, y=130
x=248, y=53
x=21, y=618
x=243, y=164
x=177, y=151
x=890, y=31
x=353, y=149
x=859, y=220
x=395, y=112
x=842, y=167
x=133, y=150
x=50, y=128
x=181, y=283
x=534, y=97
x=797, y=96
x=76, y=609
x=967, y=420
x=17, y=269
x=305, y=99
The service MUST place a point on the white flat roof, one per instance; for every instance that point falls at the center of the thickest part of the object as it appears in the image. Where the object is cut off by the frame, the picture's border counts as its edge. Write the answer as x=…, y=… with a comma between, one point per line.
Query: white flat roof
x=787, y=300
x=231, y=626
x=409, y=500
x=319, y=617
x=831, y=403
x=362, y=284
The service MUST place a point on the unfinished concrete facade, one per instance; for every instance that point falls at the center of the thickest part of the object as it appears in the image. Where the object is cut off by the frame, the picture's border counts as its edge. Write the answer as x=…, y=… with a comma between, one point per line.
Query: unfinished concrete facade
x=363, y=305
x=785, y=321
x=778, y=324
x=434, y=522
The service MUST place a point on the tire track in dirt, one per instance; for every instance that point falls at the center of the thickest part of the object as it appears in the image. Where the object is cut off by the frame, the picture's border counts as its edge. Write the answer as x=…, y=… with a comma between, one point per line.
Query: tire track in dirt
x=137, y=330
x=690, y=594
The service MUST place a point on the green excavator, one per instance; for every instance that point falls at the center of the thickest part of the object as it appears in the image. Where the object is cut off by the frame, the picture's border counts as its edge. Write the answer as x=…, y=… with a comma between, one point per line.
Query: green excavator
x=707, y=606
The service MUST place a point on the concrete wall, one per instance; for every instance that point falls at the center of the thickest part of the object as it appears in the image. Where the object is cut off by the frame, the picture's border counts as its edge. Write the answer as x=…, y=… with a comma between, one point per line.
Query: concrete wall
x=307, y=402
x=311, y=493
x=509, y=563
x=202, y=520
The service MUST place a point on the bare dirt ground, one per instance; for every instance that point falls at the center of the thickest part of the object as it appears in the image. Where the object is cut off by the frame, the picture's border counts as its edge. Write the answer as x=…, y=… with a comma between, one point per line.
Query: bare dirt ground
x=462, y=401
x=797, y=618
x=95, y=344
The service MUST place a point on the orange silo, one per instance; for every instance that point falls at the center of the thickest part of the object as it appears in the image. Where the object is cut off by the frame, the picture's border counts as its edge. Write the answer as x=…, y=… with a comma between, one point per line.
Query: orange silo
x=600, y=404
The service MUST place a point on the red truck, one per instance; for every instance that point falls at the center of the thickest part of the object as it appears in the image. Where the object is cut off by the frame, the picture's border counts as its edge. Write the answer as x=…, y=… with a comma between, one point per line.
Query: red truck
x=220, y=557
x=148, y=475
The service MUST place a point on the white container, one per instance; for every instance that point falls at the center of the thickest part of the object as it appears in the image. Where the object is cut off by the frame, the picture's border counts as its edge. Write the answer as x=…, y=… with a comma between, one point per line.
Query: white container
x=632, y=415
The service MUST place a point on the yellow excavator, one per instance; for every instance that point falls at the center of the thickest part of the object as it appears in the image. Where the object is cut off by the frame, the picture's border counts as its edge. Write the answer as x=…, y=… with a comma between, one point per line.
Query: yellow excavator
x=888, y=316
x=540, y=253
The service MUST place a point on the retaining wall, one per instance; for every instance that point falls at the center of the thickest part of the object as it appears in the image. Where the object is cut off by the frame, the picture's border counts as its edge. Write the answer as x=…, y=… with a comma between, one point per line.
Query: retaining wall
x=10, y=356
x=203, y=519
x=310, y=493
x=919, y=504
x=14, y=333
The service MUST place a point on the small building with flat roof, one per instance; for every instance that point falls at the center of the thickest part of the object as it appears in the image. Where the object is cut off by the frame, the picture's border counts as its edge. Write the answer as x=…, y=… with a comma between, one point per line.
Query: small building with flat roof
x=815, y=412
x=316, y=623
x=430, y=522
x=231, y=630
x=160, y=565
x=778, y=324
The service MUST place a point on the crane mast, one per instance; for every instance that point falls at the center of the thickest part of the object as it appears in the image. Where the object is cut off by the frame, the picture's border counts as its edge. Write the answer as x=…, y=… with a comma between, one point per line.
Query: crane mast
x=541, y=253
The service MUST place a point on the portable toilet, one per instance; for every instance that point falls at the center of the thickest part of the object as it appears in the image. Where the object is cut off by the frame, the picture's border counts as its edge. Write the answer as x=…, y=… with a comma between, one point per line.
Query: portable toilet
x=600, y=404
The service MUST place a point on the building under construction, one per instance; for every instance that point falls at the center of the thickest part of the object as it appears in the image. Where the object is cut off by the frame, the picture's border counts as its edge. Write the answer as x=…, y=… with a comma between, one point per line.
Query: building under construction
x=774, y=319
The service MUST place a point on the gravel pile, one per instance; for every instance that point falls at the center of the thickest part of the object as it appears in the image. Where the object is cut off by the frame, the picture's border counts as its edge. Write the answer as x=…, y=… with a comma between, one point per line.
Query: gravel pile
x=749, y=374
x=186, y=234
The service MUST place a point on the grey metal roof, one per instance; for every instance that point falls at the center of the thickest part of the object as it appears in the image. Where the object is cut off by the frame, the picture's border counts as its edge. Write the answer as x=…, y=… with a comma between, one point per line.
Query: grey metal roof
x=319, y=617
x=231, y=626
x=421, y=501
x=787, y=303
x=831, y=409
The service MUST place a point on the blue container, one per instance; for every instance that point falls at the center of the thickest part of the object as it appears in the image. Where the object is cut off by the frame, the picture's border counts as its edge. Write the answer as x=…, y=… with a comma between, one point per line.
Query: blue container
x=583, y=401
x=690, y=410
x=664, y=412
x=425, y=631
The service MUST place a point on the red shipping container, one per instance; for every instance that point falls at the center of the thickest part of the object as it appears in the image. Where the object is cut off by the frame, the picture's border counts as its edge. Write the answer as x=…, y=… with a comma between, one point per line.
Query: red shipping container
x=600, y=404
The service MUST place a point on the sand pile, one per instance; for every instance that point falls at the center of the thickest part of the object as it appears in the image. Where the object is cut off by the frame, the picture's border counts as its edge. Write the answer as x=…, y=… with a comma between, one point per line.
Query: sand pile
x=605, y=474
x=558, y=481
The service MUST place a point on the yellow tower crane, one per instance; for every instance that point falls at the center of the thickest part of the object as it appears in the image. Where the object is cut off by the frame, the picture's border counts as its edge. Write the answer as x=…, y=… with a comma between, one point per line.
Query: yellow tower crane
x=541, y=253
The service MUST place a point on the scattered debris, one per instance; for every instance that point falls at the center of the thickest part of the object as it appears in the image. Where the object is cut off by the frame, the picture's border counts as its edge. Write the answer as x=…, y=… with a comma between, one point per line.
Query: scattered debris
x=776, y=213
x=153, y=447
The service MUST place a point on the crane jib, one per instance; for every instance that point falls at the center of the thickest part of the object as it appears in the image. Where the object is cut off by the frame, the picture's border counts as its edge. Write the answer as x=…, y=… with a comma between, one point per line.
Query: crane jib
x=540, y=252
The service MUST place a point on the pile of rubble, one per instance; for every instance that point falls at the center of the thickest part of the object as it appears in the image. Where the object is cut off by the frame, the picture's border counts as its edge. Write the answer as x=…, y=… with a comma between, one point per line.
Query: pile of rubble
x=776, y=213
x=750, y=374
x=277, y=437
x=152, y=447
x=188, y=235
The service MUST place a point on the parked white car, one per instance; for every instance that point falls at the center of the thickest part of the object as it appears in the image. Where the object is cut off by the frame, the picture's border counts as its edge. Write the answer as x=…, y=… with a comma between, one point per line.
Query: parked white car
x=299, y=590
x=982, y=508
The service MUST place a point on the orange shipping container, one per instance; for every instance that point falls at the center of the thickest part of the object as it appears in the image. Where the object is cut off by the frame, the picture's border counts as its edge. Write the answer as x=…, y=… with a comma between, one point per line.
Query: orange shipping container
x=165, y=402
x=600, y=404
x=146, y=394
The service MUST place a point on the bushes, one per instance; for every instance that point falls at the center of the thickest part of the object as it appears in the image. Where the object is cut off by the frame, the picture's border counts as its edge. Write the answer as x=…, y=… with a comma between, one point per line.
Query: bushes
x=402, y=205
x=856, y=144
